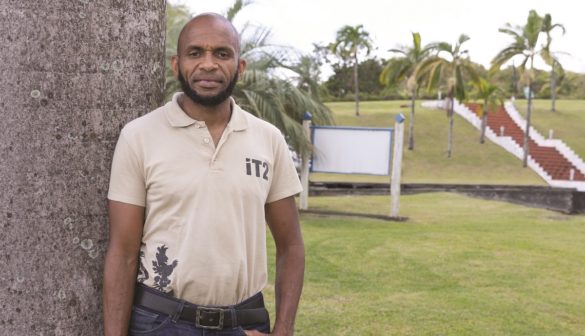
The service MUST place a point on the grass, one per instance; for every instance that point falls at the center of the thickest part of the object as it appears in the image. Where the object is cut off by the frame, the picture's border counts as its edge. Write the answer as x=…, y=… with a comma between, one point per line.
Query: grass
x=471, y=163
x=459, y=266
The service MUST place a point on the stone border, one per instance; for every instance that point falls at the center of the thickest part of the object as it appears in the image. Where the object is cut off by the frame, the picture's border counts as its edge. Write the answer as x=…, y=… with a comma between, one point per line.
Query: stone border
x=354, y=214
x=568, y=201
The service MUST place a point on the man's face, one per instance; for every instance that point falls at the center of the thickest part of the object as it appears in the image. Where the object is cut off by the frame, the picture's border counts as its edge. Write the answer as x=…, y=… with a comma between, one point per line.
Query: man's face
x=208, y=63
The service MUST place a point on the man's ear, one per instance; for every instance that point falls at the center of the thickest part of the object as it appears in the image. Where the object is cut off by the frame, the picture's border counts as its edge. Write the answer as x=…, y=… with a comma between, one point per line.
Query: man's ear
x=175, y=66
x=241, y=67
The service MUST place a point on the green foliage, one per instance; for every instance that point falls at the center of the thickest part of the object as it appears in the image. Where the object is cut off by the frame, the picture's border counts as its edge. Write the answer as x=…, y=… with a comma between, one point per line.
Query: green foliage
x=405, y=66
x=177, y=16
x=490, y=94
x=306, y=73
x=524, y=43
x=281, y=103
x=525, y=46
x=451, y=62
x=341, y=82
x=459, y=266
x=491, y=97
x=349, y=42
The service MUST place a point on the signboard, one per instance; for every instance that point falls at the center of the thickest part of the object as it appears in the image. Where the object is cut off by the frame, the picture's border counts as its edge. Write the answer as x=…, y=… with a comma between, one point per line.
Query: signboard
x=351, y=150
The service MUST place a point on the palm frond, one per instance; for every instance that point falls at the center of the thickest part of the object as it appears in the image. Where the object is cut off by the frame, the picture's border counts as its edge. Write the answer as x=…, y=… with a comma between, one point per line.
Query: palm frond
x=532, y=28
x=236, y=8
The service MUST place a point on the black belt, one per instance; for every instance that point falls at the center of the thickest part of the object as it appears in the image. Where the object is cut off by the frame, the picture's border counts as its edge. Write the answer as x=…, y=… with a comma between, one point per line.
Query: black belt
x=248, y=312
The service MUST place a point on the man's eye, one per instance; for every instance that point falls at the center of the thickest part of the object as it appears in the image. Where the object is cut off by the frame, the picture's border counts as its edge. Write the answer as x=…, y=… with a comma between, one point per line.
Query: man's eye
x=223, y=54
x=195, y=53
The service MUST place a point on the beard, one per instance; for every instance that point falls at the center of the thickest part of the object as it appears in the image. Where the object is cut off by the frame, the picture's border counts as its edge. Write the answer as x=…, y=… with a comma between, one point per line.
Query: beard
x=208, y=101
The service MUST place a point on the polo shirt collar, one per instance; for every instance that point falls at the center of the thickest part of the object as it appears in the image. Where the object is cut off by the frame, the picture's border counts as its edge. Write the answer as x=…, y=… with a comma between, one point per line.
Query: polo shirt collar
x=178, y=118
x=239, y=120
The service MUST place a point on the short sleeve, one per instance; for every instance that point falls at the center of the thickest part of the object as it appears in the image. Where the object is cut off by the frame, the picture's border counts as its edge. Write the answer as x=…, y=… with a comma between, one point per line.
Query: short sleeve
x=127, y=181
x=285, y=181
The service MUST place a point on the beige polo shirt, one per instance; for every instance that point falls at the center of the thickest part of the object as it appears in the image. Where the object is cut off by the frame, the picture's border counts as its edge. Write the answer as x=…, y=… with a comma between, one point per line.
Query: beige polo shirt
x=204, y=237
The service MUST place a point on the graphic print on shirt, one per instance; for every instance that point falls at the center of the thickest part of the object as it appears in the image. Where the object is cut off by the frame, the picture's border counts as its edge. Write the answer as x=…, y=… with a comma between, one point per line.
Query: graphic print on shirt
x=162, y=269
x=257, y=168
x=142, y=271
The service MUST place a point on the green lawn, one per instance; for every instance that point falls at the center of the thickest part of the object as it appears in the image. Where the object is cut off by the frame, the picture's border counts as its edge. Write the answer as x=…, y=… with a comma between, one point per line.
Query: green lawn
x=459, y=266
x=471, y=163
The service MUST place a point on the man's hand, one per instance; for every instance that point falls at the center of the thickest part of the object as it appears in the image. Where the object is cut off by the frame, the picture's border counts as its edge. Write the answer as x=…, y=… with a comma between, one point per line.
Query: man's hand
x=254, y=333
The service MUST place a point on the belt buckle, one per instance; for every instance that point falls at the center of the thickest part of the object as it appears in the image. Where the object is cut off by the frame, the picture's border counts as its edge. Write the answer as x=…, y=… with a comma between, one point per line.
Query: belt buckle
x=201, y=317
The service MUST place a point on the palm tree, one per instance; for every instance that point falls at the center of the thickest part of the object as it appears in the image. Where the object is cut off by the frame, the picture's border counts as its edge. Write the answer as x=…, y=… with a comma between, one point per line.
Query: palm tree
x=492, y=97
x=549, y=58
x=451, y=63
x=524, y=45
x=348, y=43
x=275, y=99
x=404, y=67
x=306, y=74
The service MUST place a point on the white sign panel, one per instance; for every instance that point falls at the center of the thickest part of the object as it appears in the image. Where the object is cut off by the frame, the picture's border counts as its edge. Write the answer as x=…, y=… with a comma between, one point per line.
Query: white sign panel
x=352, y=150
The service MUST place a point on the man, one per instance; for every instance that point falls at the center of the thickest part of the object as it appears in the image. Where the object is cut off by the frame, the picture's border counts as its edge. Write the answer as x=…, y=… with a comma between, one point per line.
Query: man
x=193, y=185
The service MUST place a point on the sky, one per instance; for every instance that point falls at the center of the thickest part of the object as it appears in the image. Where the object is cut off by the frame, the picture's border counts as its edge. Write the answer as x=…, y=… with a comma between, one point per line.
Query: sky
x=300, y=23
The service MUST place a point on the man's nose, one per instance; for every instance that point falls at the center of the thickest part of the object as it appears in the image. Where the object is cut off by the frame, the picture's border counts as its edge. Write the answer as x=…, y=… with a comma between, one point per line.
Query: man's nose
x=208, y=62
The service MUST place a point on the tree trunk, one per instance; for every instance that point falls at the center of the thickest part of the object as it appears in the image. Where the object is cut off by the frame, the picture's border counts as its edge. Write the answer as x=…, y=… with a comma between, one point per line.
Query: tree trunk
x=73, y=73
x=514, y=81
x=411, y=121
x=527, y=129
x=356, y=86
x=450, y=114
x=483, y=127
x=553, y=88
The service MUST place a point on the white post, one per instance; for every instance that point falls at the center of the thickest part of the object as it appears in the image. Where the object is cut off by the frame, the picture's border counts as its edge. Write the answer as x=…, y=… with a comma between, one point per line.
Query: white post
x=550, y=134
x=306, y=155
x=396, y=165
x=502, y=130
x=572, y=174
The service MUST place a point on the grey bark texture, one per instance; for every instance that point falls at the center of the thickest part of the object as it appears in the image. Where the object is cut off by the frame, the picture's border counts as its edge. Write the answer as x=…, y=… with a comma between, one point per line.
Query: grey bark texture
x=73, y=72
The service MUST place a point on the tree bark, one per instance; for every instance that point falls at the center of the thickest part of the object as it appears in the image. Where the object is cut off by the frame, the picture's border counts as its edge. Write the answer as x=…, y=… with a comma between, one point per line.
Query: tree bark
x=356, y=86
x=74, y=72
x=411, y=121
x=483, y=122
x=527, y=129
x=553, y=88
x=451, y=120
x=528, y=117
